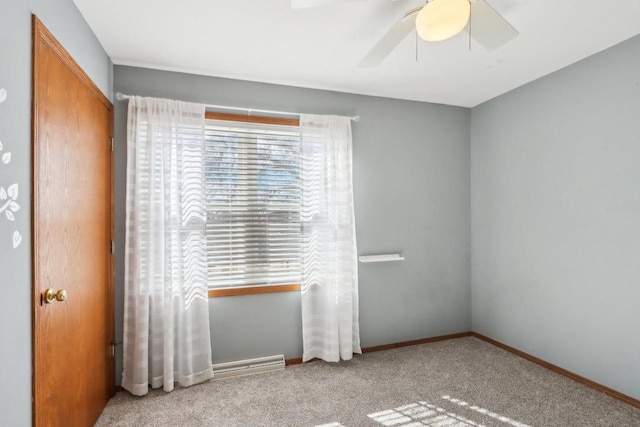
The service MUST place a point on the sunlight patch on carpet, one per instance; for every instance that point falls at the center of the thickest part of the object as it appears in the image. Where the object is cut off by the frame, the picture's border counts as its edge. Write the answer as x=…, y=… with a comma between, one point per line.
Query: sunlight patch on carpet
x=421, y=414
x=484, y=411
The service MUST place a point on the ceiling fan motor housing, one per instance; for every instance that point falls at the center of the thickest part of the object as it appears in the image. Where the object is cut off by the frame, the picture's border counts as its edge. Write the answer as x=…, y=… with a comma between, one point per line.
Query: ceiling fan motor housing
x=442, y=19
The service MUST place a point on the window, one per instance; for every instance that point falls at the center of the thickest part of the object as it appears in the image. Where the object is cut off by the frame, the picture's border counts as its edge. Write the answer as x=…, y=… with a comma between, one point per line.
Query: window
x=252, y=176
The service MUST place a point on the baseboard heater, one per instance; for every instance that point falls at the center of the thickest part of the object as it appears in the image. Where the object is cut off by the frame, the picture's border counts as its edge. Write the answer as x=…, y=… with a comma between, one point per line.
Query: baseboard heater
x=248, y=367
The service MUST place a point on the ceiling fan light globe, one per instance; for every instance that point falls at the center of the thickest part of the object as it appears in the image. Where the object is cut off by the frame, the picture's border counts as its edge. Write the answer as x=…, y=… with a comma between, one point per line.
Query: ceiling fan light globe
x=442, y=19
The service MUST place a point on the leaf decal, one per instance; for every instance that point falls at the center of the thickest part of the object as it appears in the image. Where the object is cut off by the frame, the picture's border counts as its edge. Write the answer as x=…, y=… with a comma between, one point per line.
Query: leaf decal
x=3, y=95
x=3, y=194
x=12, y=191
x=14, y=206
x=6, y=157
x=17, y=239
x=10, y=215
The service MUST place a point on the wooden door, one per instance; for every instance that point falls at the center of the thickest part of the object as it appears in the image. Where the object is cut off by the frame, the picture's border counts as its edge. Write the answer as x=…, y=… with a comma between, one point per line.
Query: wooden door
x=73, y=365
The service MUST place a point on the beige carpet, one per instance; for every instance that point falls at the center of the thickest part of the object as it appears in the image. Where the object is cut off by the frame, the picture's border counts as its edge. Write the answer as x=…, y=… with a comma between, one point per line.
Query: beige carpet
x=456, y=383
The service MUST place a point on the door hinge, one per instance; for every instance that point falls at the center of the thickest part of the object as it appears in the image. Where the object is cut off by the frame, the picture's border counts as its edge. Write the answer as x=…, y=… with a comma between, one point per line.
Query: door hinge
x=113, y=145
x=113, y=247
x=113, y=346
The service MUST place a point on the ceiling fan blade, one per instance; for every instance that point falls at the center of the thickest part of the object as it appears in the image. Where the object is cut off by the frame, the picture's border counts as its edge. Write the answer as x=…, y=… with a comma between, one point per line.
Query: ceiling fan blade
x=306, y=4
x=488, y=27
x=390, y=40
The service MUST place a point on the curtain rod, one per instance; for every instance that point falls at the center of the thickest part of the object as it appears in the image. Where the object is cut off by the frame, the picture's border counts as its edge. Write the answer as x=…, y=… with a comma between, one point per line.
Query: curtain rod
x=121, y=97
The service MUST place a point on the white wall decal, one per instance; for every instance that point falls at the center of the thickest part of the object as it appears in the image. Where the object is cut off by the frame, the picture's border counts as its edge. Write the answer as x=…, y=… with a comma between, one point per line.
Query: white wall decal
x=9, y=197
x=17, y=239
x=12, y=191
x=8, y=203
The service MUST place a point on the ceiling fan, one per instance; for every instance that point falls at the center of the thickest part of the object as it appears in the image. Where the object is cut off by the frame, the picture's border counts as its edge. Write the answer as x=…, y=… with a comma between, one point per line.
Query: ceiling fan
x=437, y=20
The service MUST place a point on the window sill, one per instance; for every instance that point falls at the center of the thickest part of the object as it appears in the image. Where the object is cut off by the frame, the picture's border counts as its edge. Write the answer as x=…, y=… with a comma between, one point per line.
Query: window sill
x=252, y=290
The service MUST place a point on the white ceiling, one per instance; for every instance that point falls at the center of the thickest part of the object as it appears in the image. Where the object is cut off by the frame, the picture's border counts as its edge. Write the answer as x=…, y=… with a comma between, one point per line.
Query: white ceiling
x=267, y=41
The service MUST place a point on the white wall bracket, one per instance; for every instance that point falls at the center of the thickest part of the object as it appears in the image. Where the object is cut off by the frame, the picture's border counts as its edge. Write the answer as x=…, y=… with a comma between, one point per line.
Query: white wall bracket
x=380, y=258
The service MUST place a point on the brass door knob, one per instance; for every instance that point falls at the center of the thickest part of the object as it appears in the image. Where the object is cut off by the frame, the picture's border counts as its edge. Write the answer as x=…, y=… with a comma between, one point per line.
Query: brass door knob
x=51, y=295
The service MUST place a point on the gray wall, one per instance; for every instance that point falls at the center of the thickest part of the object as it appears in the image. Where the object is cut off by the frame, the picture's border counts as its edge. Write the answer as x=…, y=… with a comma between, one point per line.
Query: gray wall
x=411, y=185
x=67, y=24
x=556, y=218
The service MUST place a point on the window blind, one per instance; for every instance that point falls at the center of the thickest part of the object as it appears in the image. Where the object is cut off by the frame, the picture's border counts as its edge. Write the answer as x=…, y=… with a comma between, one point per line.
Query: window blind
x=252, y=190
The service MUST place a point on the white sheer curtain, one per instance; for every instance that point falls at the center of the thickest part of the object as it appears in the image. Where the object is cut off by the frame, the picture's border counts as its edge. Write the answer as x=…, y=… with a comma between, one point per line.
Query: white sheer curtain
x=166, y=320
x=330, y=271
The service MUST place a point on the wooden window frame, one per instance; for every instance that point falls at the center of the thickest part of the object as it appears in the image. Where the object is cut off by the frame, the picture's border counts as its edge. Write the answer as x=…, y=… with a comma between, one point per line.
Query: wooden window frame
x=258, y=289
x=211, y=115
x=253, y=290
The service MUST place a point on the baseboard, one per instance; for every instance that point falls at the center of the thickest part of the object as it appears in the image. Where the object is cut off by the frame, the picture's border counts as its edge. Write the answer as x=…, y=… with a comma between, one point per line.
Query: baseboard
x=594, y=385
x=415, y=342
x=298, y=360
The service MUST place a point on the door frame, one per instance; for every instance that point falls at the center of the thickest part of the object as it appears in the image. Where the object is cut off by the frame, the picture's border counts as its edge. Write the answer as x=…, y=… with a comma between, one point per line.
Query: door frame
x=40, y=34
